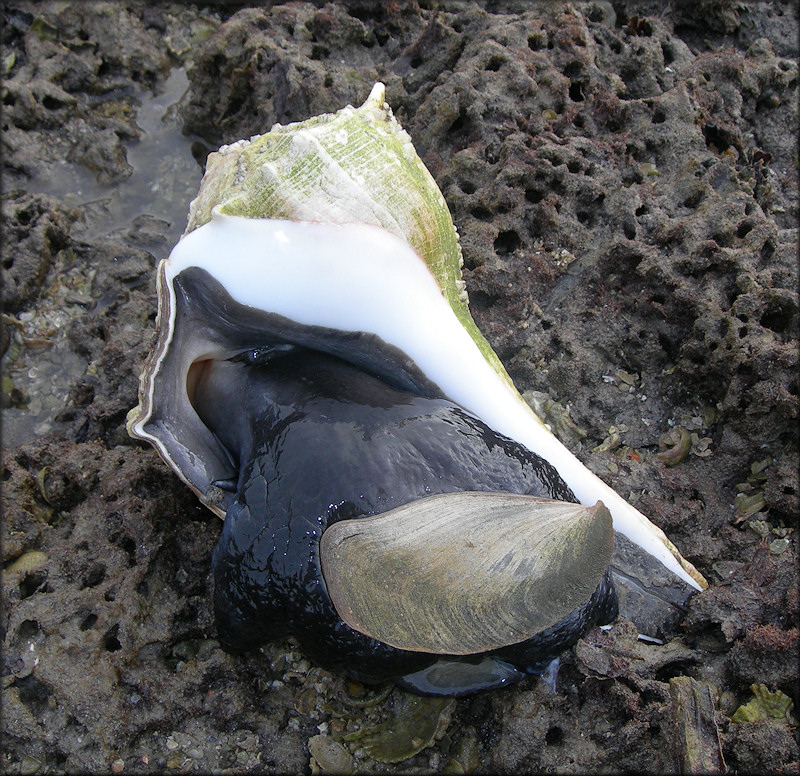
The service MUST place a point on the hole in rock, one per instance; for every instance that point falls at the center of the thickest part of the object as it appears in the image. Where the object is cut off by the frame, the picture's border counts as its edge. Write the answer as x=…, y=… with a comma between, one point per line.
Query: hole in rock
x=670, y=670
x=33, y=693
x=94, y=577
x=694, y=199
x=576, y=91
x=29, y=630
x=776, y=318
x=495, y=63
x=716, y=137
x=235, y=104
x=88, y=622
x=492, y=153
x=537, y=42
x=553, y=157
x=668, y=345
x=124, y=542
x=507, y=242
x=31, y=583
x=723, y=239
x=51, y=103
x=459, y=123
x=534, y=195
x=554, y=736
x=111, y=641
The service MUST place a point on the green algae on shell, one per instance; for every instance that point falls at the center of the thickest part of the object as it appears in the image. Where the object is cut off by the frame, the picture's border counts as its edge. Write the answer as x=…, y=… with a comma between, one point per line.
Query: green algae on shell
x=355, y=166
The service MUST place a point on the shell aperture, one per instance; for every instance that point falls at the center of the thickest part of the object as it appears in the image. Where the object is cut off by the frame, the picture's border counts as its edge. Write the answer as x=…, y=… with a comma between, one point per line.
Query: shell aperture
x=254, y=294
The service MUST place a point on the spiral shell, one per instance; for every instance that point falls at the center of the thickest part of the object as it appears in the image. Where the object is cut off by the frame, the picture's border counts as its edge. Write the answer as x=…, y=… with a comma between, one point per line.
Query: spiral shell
x=330, y=235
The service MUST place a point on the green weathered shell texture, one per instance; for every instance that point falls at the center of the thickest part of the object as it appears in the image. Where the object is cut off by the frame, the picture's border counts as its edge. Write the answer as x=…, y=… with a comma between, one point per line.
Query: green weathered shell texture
x=354, y=166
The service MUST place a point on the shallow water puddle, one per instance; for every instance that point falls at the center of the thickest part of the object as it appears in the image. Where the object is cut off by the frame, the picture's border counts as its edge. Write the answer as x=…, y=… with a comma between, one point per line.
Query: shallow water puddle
x=40, y=365
x=165, y=176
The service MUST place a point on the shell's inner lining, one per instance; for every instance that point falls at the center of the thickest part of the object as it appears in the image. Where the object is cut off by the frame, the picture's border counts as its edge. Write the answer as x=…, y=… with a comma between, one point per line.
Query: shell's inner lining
x=195, y=376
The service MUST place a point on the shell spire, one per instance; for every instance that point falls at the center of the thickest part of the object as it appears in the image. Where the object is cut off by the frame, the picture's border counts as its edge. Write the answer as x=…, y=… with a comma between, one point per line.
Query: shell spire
x=357, y=165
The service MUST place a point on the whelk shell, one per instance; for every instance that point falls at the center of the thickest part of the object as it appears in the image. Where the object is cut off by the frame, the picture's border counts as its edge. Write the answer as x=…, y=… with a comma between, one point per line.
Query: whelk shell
x=330, y=236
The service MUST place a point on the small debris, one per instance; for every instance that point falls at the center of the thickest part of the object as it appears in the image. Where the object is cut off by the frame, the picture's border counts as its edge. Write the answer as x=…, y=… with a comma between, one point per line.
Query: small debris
x=697, y=741
x=611, y=442
x=765, y=704
x=779, y=546
x=555, y=416
x=29, y=561
x=681, y=441
x=305, y=700
x=415, y=723
x=747, y=505
x=330, y=756
x=649, y=639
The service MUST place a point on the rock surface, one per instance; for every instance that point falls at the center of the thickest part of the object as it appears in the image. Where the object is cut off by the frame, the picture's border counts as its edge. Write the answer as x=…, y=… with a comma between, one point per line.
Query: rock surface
x=624, y=180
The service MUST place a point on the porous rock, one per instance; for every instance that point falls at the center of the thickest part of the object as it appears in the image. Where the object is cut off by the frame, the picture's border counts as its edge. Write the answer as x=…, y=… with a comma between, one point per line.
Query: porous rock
x=624, y=182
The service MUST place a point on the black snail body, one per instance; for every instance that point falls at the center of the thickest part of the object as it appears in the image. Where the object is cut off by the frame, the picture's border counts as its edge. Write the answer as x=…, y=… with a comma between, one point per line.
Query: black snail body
x=316, y=440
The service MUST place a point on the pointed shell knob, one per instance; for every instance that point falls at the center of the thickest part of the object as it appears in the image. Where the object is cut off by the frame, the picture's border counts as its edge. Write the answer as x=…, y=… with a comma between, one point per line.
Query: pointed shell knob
x=462, y=573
